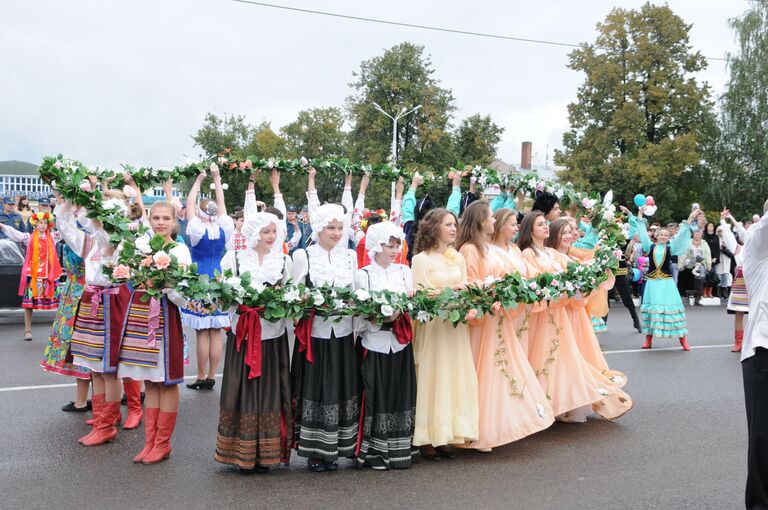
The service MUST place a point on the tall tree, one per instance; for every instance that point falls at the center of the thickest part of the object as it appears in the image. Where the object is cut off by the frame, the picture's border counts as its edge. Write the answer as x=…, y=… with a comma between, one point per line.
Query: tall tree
x=476, y=140
x=316, y=133
x=642, y=121
x=217, y=134
x=740, y=178
x=402, y=77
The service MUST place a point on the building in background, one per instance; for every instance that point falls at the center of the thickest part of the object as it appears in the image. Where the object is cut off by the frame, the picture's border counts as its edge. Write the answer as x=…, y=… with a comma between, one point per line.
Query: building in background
x=21, y=178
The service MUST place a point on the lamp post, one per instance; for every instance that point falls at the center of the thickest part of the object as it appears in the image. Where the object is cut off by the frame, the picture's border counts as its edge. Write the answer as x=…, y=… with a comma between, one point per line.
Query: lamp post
x=403, y=112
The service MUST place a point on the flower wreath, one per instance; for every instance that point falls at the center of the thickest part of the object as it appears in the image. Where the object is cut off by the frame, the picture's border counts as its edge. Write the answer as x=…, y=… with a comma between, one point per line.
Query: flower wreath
x=41, y=216
x=368, y=214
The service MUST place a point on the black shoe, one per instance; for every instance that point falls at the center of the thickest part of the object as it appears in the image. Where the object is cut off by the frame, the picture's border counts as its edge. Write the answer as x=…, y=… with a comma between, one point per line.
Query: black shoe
x=316, y=466
x=200, y=383
x=209, y=384
x=331, y=466
x=429, y=453
x=70, y=408
x=446, y=452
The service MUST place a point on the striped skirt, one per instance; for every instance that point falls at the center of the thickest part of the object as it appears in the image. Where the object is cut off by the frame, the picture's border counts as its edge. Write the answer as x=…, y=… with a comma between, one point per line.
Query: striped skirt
x=96, y=339
x=43, y=287
x=738, y=301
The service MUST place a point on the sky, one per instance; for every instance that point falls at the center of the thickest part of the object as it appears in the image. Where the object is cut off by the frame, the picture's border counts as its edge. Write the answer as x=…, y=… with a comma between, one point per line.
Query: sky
x=109, y=82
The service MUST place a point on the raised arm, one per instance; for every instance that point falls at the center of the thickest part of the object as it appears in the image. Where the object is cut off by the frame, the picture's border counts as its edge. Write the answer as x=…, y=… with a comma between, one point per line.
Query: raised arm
x=395, y=208
x=454, y=200
x=498, y=202
x=274, y=180
x=680, y=243
x=313, y=201
x=409, y=200
x=251, y=205
x=757, y=242
x=346, y=195
x=642, y=233
x=193, y=192
x=15, y=235
x=222, y=206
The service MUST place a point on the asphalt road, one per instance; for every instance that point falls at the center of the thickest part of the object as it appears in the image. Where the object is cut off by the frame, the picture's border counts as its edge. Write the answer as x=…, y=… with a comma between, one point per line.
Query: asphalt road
x=683, y=446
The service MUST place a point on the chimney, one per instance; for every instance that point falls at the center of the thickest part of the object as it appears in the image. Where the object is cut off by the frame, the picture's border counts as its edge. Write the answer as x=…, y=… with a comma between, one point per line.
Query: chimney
x=525, y=156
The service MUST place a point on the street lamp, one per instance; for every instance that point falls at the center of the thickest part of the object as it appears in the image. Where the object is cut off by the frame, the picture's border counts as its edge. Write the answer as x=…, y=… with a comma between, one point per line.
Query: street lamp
x=403, y=112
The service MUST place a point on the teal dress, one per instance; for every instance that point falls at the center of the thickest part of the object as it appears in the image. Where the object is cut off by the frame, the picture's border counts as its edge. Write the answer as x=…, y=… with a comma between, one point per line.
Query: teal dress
x=662, y=312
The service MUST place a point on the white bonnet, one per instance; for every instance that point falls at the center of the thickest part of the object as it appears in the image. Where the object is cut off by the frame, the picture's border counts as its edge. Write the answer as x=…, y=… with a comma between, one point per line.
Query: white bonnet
x=324, y=215
x=255, y=222
x=379, y=234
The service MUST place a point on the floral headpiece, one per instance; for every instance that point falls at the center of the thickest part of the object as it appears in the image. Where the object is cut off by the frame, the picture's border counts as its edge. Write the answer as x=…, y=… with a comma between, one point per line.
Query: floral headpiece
x=41, y=216
x=368, y=214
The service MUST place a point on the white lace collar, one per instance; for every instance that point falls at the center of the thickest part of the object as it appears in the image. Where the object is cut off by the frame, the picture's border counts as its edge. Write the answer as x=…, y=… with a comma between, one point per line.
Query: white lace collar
x=330, y=267
x=269, y=272
x=390, y=278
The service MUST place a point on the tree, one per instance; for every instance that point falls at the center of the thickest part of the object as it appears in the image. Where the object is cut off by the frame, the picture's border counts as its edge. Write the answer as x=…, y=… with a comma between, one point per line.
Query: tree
x=316, y=133
x=476, y=139
x=740, y=177
x=642, y=122
x=218, y=135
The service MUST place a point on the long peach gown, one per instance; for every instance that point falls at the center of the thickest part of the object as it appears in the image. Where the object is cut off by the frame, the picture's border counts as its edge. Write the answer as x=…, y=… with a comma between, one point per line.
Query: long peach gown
x=512, y=258
x=619, y=402
x=446, y=397
x=513, y=404
x=570, y=382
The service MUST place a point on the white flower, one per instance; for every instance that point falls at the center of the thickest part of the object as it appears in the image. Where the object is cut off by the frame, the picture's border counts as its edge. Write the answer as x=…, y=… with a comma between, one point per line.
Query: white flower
x=271, y=163
x=303, y=161
x=258, y=287
x=559, y=193
x=603, y=392
x=569, y=286
x=588, y=203
x=225, y=186
x=387, y=311
x=617, y=379
x=541, y=410
x=555, y=282
x=222, y=160
x=213, y=186
x=381, y=300
x=339, y=304
x=234, y=281
x=422, y=316
x=115, y=204
x=291, y=296
x=608, y=215
x=362, y=295
x=142, y=244
x=318, y=298
x=410, y=306
x=532, y=285
x=489, y=280
x=608, y=198
x=333, y=293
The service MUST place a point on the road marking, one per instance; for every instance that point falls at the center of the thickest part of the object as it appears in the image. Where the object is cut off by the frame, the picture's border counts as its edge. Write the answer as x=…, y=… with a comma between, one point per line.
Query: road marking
x=65, y=385
x=627, y=351
x=719, y=346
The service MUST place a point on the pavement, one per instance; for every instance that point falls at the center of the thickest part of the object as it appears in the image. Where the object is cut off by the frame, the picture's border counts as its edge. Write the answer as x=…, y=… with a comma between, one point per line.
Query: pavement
x=683, y=446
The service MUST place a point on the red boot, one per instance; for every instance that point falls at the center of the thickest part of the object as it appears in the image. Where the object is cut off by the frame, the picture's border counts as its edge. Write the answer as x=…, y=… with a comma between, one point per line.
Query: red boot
x=150, y=428
x=105, y=428
x=738, y=339
x=97, y=401
x=684, y=343
x=132, y=391
x=648, y=342
x=162, y=449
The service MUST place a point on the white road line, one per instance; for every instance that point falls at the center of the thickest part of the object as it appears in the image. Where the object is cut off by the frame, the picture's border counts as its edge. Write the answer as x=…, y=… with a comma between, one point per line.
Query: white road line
x=654, y=349
x=67, y=385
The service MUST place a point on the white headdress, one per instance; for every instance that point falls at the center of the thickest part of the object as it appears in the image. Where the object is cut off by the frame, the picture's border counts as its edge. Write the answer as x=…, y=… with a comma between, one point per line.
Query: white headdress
x=326, y=214
x=255, y=222
x=379, y=234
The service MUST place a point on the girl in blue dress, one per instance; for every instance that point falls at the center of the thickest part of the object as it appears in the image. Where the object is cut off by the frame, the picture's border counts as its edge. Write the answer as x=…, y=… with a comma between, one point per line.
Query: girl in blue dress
x=662, y=311
x=208, y=229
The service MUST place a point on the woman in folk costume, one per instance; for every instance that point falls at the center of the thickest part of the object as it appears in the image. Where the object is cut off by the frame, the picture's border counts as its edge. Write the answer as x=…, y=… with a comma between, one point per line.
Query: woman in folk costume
x=324, y=371
x=662, y=311
x=152, y=349
x=738, y=300
x=503, y=243
x=98, y=329
x=387, y=369
x=512, y=403
x=560, y=238
x=41, y=270
x=255, y=425
x=56, y=357
x=208, y=229
x=571, y=384
x=447, y=410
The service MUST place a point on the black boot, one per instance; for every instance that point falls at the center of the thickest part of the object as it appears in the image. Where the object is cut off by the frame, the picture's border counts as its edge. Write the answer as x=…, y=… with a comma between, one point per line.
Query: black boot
x=635, y=320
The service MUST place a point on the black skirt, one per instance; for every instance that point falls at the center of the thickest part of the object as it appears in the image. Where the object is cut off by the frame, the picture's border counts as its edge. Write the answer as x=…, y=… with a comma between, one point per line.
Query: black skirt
x=255, y=426
x=326, y=399
x=389, y=409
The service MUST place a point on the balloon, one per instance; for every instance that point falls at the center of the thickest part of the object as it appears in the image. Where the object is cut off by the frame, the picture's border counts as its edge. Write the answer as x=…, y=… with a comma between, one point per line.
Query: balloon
x=639, y=200
x=649, y=200
x=636, y=274
x=650, y=210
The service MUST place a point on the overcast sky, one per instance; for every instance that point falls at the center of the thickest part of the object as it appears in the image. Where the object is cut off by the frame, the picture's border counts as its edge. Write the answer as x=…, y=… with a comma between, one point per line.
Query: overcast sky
x=107, y=82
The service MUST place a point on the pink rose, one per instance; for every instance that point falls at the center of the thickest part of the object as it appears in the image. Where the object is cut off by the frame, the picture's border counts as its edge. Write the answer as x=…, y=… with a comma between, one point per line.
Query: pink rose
x=121, y=272
x=147, y=261
x=129, y=191
x=162, y=260
x=496, y=307
x=85, y=186
x=57, y=164
x=540, y=186
x=248, y=164
x=471, y=314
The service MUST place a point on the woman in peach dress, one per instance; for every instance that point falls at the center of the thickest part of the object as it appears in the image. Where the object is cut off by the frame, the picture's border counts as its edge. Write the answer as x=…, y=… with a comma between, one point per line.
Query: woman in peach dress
x=570, y=382
x=512, y=403
x=446, y=401
x=561, y=235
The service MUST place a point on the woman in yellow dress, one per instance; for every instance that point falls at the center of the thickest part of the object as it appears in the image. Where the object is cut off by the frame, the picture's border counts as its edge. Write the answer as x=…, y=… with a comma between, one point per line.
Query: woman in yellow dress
x=570, y=382
x=446, y=401
x=512, y=403
x=561, y=235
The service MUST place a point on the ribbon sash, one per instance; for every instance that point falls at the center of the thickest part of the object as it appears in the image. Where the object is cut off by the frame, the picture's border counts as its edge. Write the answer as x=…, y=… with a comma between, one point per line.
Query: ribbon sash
x=402, y=329
x=153, y=322
x=96, y=295
x=304, y=335
x=249, y=328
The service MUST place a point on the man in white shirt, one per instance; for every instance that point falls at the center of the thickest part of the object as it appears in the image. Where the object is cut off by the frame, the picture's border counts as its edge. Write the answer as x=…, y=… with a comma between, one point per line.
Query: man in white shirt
x=754, y=362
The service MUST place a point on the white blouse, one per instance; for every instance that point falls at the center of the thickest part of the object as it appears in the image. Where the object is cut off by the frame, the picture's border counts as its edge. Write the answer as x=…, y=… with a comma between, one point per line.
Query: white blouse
x=395, y=277
x=336, y=268
x=275, y=268
x=196, y=228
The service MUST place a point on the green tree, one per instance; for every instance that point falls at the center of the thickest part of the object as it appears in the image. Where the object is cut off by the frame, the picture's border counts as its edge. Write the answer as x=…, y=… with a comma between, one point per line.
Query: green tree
x=739, y=180
x=219, y=135
x=641, y=122
x=476, y=140
x=316, y=133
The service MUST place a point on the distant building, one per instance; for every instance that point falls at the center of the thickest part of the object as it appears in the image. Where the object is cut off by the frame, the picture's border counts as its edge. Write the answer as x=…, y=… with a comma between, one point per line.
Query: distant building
x=21, y=178
x=527, y=166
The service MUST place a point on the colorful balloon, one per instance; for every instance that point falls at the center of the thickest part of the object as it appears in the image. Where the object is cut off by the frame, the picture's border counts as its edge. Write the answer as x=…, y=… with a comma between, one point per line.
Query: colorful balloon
x=649, y=200
x=636, y=274
x=639, y=200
